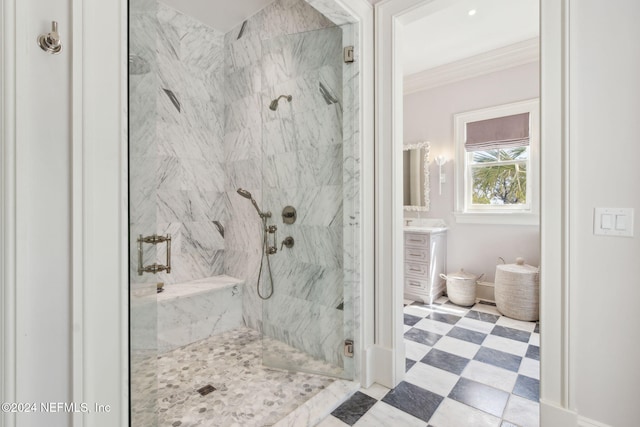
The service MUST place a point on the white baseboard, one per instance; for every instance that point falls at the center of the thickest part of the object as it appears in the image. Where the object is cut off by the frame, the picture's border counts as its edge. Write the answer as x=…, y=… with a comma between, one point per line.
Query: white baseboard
x=555, y=416
x=586, y=422
x=381, y=367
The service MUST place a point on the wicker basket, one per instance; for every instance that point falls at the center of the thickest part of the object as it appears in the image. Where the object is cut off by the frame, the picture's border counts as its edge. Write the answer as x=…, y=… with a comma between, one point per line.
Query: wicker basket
x=461, y=287
x=517, y=289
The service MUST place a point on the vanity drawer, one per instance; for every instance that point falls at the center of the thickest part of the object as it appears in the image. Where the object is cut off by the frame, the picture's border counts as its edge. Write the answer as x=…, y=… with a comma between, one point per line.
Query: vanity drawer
x=416, y=254
x=416, y=270
x=416, y=239
x=415, y=284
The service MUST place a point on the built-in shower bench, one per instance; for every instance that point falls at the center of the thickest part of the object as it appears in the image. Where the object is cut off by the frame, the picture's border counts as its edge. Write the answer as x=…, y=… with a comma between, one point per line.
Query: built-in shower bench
x=195, y=310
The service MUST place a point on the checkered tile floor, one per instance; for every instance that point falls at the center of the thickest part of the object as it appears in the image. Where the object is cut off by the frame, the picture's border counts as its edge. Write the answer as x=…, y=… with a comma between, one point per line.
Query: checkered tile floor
x=465, y=367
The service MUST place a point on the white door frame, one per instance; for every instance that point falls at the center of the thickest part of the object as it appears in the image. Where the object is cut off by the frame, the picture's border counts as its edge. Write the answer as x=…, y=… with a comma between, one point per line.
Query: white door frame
x=391, y=16
x=7, y=209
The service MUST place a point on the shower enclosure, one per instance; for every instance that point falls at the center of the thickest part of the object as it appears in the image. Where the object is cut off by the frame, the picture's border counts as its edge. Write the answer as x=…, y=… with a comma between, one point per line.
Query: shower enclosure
x=268, y=107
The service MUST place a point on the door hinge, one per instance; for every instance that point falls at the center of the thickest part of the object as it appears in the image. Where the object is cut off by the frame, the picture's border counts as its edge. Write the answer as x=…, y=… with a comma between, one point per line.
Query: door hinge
x=348, y=348
x=349, y=55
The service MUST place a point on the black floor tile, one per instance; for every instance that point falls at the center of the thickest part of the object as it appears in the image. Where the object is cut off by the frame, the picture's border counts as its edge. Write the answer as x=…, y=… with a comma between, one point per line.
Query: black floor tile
x=408, y=363
x=533, y=352
x=512, y=334
x=445, y=361
x=444, y=317
x=480, y=396
x=527, y=387
x=422, y=337
x=410, y=320
x=467, y=335
x=537, y=328
x=498, y=358
x=493, y=304
x=485, y=317
x=354, y=408
x=414, y=400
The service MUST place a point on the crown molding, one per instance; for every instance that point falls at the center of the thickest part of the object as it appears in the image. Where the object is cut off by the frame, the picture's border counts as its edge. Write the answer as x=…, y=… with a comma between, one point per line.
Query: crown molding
x=520, y=53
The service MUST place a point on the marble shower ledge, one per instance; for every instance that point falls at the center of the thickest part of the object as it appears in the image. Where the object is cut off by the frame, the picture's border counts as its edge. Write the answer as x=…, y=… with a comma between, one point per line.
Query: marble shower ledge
x=320, y=406
x=192, y=311
x=194, y=287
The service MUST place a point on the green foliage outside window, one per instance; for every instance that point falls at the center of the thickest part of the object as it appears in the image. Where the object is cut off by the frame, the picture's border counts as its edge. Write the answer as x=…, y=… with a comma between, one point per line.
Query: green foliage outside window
x=500, y=176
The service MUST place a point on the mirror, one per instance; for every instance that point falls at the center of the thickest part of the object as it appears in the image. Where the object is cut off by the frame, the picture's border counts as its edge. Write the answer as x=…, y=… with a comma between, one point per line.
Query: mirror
x=416, y=177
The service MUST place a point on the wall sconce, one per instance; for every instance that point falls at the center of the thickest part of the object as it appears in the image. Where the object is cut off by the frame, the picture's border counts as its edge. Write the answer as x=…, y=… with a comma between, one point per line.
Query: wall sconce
x=441, y=160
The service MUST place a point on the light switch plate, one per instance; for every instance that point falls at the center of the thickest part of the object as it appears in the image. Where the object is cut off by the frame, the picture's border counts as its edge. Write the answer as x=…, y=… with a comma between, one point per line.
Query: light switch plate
x=613, y=222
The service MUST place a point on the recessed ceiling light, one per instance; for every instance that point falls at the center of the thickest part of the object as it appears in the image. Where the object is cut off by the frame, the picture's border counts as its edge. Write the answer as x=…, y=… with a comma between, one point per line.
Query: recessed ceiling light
x=472, y=12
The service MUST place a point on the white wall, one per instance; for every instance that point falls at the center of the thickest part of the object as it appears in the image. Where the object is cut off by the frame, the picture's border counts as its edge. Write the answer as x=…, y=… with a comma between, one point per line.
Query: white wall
x=604, y=271
x=428, y=115
x=43, y=225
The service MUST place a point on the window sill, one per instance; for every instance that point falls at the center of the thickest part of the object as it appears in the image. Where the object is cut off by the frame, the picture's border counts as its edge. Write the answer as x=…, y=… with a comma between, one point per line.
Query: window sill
x=498, y=218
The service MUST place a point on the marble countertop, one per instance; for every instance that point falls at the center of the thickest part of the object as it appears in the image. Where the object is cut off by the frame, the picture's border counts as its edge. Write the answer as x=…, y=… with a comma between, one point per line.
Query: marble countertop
x=425, y=225
x=424, y=229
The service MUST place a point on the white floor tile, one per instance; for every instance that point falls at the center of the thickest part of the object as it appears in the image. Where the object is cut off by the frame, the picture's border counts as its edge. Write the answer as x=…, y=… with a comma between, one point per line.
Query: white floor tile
x=451, y=309
x=331, y=421
x=414, y=350
x=406, y=327
x=504, y=344
x=534, y=339
x=475, y=325
x=486, y=309
x=490, y=375
x=530, y=368
x=376, y=391
x=442, y=300
x=408, y=301
x=431, y=378
x=384, y=415
x=451, y=413
x=416, y=310
x=433, y=326
x=522, y=412
x=516, y=324
x=461, y=348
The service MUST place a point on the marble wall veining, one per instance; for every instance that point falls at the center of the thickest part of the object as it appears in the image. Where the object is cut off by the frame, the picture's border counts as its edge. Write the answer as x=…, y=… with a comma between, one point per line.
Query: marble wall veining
x=190, y=174
x=291, y=156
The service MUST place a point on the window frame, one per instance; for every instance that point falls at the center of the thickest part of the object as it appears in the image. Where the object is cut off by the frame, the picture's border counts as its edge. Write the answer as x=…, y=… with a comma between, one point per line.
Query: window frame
x=465, y=211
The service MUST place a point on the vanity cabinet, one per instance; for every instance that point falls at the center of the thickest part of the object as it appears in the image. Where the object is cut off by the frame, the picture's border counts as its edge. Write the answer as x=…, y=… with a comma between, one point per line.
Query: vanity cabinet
x=425, y=257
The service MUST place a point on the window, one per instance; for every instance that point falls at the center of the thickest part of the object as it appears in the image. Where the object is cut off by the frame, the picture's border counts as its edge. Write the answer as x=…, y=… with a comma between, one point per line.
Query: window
x=497, y=164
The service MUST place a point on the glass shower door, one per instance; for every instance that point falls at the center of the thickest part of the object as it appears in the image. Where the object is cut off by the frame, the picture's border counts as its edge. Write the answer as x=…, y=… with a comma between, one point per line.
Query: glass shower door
x=307, y=323
x=143, y=158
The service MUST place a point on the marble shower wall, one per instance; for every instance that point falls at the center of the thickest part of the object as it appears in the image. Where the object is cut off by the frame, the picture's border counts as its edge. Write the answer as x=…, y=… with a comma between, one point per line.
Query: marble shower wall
x=303, y=167
x=189, y=176
x=243, y=136
x=298, y=148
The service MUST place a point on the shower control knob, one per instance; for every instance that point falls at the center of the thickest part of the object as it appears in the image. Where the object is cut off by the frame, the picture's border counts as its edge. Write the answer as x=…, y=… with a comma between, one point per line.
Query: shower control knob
x=289, y=215
x=271, y=250
x=288, y=242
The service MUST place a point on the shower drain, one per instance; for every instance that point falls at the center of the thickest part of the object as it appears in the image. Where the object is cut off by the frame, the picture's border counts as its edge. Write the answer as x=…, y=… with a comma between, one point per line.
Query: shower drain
x=206, y=390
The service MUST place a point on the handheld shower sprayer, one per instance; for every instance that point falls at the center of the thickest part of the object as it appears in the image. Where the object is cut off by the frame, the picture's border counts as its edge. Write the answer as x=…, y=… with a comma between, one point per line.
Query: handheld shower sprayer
x=266, y=249
x=247, y=195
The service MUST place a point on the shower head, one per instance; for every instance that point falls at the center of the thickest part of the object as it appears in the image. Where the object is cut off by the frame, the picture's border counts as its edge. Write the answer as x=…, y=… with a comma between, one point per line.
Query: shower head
x=247, y=195
x=274, y=104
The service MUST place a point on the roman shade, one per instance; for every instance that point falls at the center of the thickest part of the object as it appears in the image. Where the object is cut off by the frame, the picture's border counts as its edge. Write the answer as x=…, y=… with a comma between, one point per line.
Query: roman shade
x=499, y=133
